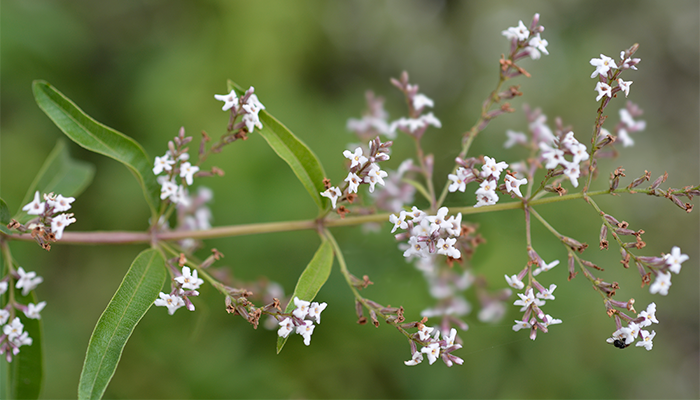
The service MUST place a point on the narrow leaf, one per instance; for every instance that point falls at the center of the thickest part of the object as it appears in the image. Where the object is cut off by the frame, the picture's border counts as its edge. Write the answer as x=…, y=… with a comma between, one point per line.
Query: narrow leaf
x=311, y=280
x=96, y=137
x=26, y=371
x=293, y=151
x=135, y=295
x=59, y=174
x=4, y=213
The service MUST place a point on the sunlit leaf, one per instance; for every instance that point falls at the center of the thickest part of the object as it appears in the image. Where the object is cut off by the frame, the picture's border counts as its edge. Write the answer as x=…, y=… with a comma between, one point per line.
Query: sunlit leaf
x=59, y=174
x=293, y=151
x=135, y=296
x=312, y=279
x=94, y=136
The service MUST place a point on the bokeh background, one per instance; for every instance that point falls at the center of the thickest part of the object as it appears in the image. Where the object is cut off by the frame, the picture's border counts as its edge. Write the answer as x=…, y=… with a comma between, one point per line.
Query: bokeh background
x=148, y=67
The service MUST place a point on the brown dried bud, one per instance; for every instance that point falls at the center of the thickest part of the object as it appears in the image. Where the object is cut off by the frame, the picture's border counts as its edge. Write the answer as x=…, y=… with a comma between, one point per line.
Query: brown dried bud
x=341, y=210
x=659, y=181
x=373, y=316
x=326, y=183
x=574, y=244
x=14, y=224
x=572, y=266
x=640, y=180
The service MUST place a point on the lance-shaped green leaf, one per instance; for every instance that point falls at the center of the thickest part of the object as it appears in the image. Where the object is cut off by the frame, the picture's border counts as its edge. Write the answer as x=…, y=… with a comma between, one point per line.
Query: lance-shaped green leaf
x=59, y=174
x=94, y=136
x=293, y=151
x=26, y=371
x=135, y=295
x=311, y=280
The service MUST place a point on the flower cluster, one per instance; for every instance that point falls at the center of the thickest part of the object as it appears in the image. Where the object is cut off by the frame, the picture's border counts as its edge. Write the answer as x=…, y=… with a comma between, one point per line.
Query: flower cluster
x=363, y=170
x=176, y=165
x=184, y=285
x=298, y=322
x=47, y=213
x=627, y=125
x=434, y=347
x=608, y=73
x=488, y=180
x=552, y=157
x=668, y=263
x=417, y=122
x=428, y=234
x=194, y=216
x=528, y=39
x=248, y=105
x=625, y=336
x=13, y=335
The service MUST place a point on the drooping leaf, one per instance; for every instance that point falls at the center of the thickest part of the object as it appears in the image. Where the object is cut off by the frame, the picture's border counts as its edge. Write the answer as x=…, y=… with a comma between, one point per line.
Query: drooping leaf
x=26, y=372
x=59, y=174
x=293, y=151
x=312, y=279
x=135, y=295
x=94, y=136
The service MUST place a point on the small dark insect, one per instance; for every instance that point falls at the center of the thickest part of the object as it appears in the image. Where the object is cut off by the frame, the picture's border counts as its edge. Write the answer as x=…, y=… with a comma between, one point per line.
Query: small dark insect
x=621, y=343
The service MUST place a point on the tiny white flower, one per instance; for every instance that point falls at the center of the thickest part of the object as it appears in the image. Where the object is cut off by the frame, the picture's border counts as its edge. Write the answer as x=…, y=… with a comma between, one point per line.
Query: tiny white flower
x=624, y=86
x=164, y=163
x=353, y=182
x=171, y=301
x=432, y=351
x=60, y=203
x=22, y=340
x=549, y=320
x=513, y=184
x=333, y=193
x=187, y=171
x=424, y=333
x=3, y=287
x=27, y=281
x=445, y=246
x=59, y=223
x=646, y=341
x=649, y=316
x=230, y=100
x=492, y=169
x=36, y=207
x=572, y=171
x=449, y=338
x=675, y=259
x=514, y=282
x=168, y=189
x=302, y=308
x=602, y=65
x=547, y=294
x=515, y=138
x=374, y=176
x=33, y=310
x=459, y=179
x=485, y=198
x=4, y=316
x=306, y=330
x=417, y=215
x=519, y=32
x=420, y=100
x=315, y=310
x=430, y=119
x=661, y=284
x=415, y=360
x=416, y=248
x=545, y=267
x=625, y=138
x=189, y=279
x=356, y=158
x=252, y=121
x=456, y=225
x=552, y=156
x=399, y=222
x=603, y=89
x=633, y=125
x=540, y=44
x=286, y=327
x=521, y=325
x=525, y=299
x=14, y=329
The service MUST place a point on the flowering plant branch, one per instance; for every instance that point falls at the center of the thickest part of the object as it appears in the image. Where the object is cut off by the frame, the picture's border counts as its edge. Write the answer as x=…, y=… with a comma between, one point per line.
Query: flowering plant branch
x=181, y=221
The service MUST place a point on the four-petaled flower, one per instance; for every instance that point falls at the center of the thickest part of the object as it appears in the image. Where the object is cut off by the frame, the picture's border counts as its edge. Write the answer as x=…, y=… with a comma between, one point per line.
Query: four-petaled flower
x=164, y=163
x=661, y=284
x=649, y=316
x=675, y=259
x=432, y=351
x=302, y=308
x=189, y=279
x=286, y=327
x=356, y=158
x=646, y=341
x=171, y=301
x=353, y=182
x=492, y=169
x=602, y=65
x=230, y=100
x=187, y=171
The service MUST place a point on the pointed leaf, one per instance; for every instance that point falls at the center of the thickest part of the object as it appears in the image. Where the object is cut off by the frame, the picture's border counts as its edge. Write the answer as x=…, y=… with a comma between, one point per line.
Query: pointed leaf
x=293, y=151
x=26, y=372
x=135, y=296
x=4, y=213
x=60, y=174
x=311, y=280
x=94, y=136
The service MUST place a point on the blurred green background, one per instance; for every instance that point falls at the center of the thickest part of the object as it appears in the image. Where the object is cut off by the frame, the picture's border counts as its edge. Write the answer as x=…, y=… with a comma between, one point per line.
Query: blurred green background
x=148, y=67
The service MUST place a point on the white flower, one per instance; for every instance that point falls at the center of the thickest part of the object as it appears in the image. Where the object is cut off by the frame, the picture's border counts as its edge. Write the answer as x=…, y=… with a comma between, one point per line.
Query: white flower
x=168, y=189
x=603, y=90
x=623, y=334
x=456, y=225
x=624, y=86
x=399, y=222
x=432, y=351
x=315, y=311
x=230, y=100
x=416, y=248
x=189, y=279
x=302, y=308
x=13, y=329
x=572, y=171
x=415, y=360
x=527, y=299
x=187, y=171
x=544, y=267
x=252, y=121
x=537, y=44
x=649, y=316
x=633, y=125
x=163, y=163
x=3, y=287
x=4, y=315
x=27, y=281
x=449, y=338
x=661, y=284
x=647, y=340
x=492, y=169
x=622, y=134
x=519, y=32
x=333, y=193
x=430, y=119
x=60, y=203
x=22, y=340
x=286, y=327
x=424, y=333
x=459, y=179
x=602, y=65
x=549, y=320
x=33, y=310
x=353, y=182
x=305, y=330
x=675, y=259
x=36, y=207
x=171, y=301
x=514, y=282
x=417, y=215
x=356, y=158
x=374, y=176
x=59, y=223
x=513, y=184
x=521, y=325
x=540, y=130
x=552, y=156
x=420, y=100
x=547, y=294
x=514, y=138
x=486, y=194
x=445, y=246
